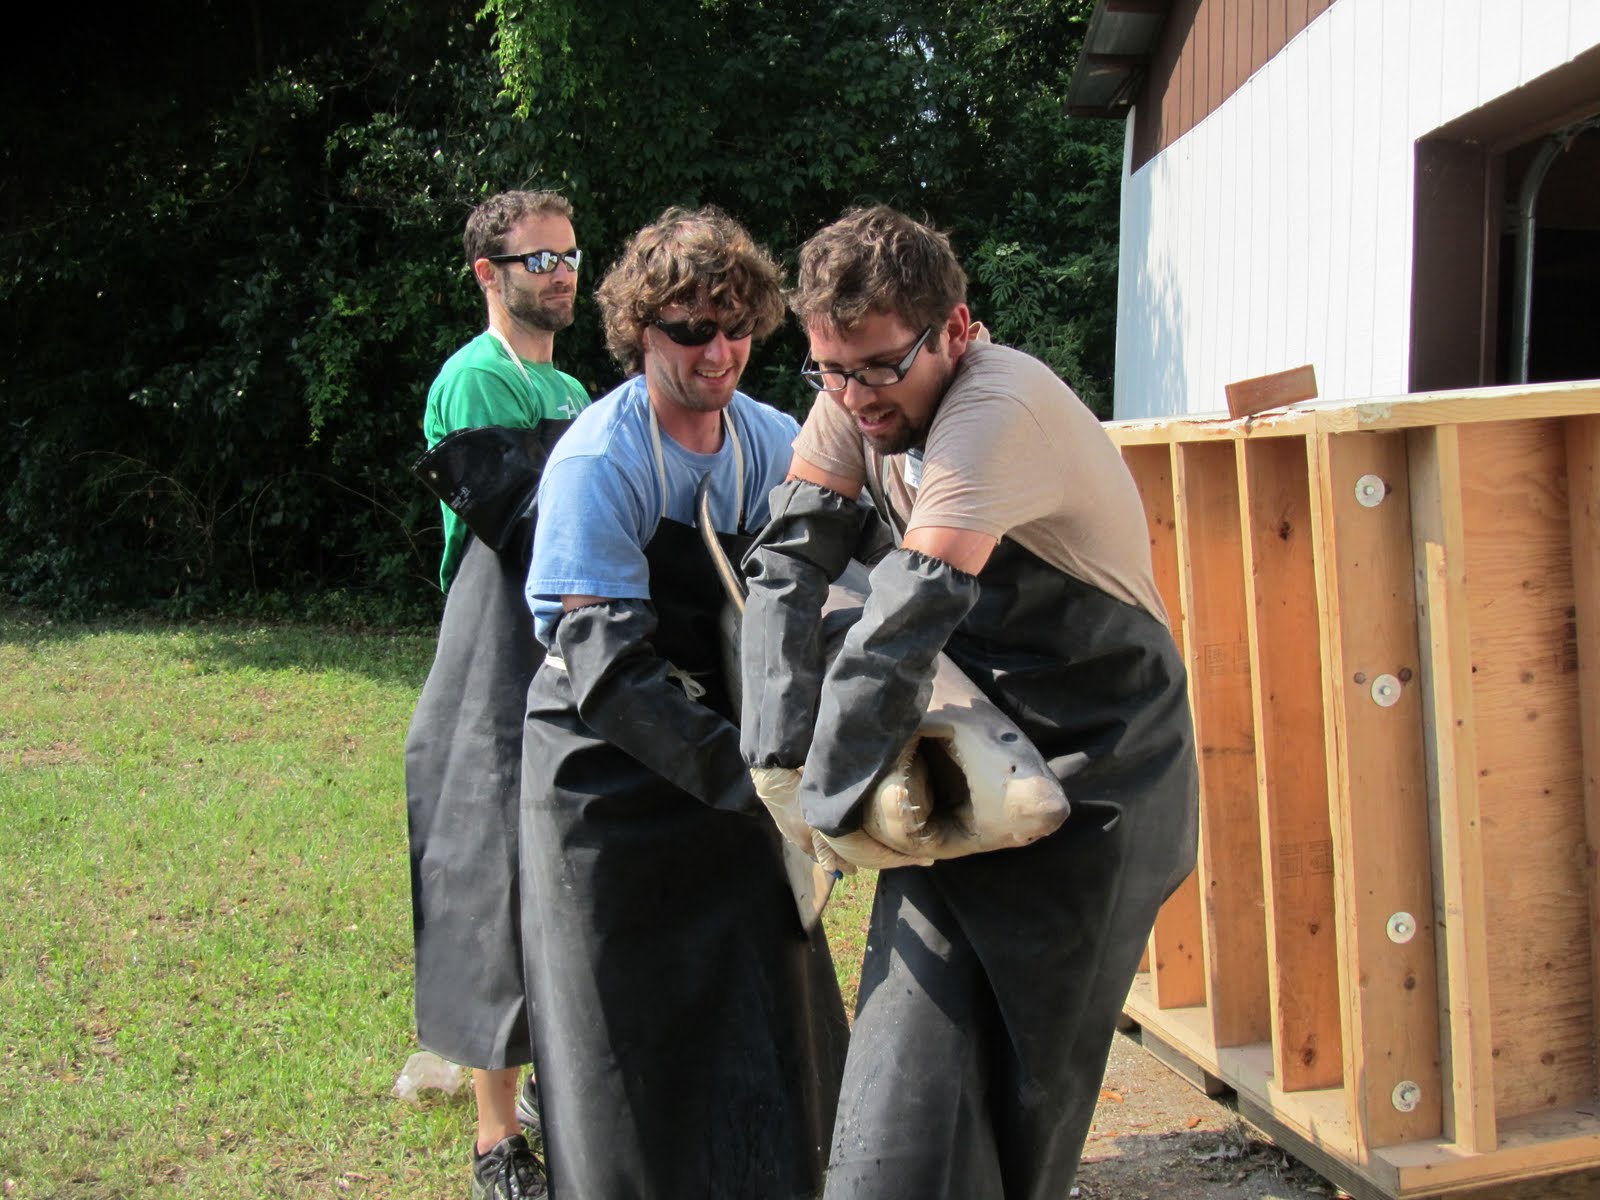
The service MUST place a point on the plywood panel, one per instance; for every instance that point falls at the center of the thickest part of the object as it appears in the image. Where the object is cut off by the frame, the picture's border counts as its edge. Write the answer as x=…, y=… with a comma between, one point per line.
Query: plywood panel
x=1381, y=836
x=1297, y=844
x=1219, y=668
x=1175, y=957
x=1583, y=507
x=1529, y=755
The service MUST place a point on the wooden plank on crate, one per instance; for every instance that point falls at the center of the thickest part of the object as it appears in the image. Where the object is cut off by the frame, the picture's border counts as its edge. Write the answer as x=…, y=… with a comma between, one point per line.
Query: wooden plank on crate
x=1297, y=843
x=1525, y=699
x=1583, y=503
x=1177, y=965
x=1210, y=567
x=1460, y=915
x=1376, y=766
x=1246, y=397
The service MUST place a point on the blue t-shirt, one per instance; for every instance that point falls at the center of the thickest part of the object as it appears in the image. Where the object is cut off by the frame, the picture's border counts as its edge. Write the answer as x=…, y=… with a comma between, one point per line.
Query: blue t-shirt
x=600, y=497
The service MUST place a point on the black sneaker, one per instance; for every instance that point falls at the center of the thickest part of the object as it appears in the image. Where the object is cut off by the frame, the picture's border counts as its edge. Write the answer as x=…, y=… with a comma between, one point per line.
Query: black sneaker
x=528, y=1109
x=510, y=1171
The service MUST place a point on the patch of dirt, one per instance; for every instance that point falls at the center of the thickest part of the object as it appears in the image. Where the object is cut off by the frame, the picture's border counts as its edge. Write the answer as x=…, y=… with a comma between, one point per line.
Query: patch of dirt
x=1155, y=1136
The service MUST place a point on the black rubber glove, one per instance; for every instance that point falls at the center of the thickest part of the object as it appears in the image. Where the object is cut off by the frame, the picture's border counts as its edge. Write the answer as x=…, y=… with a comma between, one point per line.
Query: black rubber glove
x=625, y=695
x=804, y=547
x=878, y=687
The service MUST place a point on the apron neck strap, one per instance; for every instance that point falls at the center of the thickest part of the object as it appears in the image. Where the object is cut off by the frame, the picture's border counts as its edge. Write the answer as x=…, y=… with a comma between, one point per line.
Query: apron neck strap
x=516, y=359
x=661, y=464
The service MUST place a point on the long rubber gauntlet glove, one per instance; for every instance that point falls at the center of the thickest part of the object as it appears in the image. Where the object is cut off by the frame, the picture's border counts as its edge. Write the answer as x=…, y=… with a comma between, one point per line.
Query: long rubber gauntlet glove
x=489, y=476
x=625, y=695
x=804, y=547
x=878, y=687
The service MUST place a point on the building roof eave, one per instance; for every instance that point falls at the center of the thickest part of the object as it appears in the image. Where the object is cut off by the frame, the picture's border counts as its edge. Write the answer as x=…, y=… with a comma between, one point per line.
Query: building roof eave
x=1121, y=39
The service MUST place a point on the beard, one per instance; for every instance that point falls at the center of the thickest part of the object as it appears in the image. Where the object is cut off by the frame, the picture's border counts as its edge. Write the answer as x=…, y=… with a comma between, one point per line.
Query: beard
x=530, y=310
x=899, y=438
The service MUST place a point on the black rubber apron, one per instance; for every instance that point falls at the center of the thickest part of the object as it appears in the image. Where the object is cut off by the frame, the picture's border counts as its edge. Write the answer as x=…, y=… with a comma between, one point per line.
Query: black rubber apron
x=463, y=763
x=690, y=1036
x=992, y=984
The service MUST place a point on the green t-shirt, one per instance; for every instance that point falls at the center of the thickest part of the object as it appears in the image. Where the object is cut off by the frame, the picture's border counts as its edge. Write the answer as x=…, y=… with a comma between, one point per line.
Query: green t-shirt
x=480, y=385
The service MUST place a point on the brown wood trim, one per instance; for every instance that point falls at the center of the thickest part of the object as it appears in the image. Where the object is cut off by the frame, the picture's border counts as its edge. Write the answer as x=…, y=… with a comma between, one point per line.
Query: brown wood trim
x=1208, y=49
x=1454, y=228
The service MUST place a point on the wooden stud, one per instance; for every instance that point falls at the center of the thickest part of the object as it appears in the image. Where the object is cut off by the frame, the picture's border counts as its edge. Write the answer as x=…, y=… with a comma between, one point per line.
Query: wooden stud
x=1210, y=567
x=1177, y=965
x=1460, y=913
x=1297, y=843
x=1376, y=764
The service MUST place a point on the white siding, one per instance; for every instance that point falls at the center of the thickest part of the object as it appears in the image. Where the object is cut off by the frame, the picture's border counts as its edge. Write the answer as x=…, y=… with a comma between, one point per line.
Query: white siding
x=1278, y=231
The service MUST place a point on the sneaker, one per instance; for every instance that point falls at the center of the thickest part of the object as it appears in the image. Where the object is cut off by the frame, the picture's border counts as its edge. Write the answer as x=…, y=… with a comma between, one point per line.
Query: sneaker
x=510, y=1171
x=528, y=1109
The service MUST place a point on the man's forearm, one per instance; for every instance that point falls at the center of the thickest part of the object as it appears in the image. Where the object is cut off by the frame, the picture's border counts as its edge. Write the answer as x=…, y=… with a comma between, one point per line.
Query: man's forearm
x=624, y=693
x=804, y=547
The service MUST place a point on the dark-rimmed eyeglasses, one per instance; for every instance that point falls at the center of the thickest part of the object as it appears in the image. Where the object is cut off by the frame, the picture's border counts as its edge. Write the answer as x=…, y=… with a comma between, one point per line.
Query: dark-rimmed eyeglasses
x=541, y=262
x=700, y=333
x=877, y=376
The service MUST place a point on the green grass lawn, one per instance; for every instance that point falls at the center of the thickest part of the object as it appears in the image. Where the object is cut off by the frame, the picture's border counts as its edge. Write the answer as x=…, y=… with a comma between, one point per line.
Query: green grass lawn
x=205, y=931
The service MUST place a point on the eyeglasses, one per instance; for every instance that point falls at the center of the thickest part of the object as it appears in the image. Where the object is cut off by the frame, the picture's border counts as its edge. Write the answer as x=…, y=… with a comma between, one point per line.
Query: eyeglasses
x=876, y=376
x=541, y=262
x=699, y=333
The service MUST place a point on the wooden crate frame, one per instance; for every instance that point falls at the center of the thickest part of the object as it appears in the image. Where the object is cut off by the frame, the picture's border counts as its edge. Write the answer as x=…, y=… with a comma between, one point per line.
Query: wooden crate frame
x=1390, y=613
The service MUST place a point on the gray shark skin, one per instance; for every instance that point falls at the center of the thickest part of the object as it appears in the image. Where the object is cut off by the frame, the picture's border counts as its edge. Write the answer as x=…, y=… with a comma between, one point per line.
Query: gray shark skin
x=967, y=782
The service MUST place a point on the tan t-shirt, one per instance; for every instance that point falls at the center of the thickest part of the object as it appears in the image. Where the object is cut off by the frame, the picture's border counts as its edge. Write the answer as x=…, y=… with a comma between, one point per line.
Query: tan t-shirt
x=1012, y=453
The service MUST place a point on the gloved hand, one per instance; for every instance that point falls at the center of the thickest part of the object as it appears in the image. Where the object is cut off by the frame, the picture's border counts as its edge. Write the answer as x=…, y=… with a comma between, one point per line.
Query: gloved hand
x=843, y=853
x=779, y=789
x=877, y=689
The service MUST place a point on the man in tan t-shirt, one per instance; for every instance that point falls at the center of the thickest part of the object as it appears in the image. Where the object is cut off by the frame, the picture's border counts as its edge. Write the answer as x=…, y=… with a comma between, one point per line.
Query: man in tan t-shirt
x=992, y=983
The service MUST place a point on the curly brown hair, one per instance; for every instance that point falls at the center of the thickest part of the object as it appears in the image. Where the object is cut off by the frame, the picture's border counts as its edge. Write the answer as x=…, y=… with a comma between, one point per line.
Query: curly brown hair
x=700, y=259
x=489, y=223
x=875, y=260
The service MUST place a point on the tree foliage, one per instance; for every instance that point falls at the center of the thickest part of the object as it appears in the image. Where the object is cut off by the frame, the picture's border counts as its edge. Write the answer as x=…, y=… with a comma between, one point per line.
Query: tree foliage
x=232, y=236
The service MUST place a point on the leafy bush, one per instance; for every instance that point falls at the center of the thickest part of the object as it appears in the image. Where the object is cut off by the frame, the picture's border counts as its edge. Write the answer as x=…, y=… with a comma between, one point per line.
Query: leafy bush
x=232, y=245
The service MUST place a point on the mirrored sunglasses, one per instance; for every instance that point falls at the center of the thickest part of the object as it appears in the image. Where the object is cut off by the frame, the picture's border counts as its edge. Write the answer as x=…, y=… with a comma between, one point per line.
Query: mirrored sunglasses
x=541, y=262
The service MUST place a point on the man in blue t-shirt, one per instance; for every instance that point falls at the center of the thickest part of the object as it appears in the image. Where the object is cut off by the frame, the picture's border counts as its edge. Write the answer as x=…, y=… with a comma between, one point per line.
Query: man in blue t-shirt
x=464, y=747
x=688, y=1030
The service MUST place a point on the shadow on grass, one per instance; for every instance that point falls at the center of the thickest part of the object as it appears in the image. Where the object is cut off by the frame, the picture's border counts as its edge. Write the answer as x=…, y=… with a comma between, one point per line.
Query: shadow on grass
x=400, y=656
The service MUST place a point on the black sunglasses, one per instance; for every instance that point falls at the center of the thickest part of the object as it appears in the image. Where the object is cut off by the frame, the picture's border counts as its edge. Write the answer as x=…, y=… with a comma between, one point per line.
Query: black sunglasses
x=699, y=333
x=880, y=375
x=541, y=262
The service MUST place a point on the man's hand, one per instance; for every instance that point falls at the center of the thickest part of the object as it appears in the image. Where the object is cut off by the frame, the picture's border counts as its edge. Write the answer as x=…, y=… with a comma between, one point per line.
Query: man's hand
x=779, y=789
x=847, y=851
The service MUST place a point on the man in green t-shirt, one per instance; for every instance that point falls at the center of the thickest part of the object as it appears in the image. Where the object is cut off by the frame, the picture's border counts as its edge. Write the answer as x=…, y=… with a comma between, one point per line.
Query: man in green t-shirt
x=522, y=251
x=464, y=747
